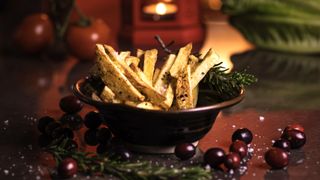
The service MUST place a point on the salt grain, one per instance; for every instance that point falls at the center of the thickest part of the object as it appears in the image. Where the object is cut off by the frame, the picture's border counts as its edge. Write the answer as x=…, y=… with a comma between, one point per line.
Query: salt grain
x=279, y=129
x=250, y=150
x=233, y=126
x=6, y=172
x=299, y=161
x=261, y=118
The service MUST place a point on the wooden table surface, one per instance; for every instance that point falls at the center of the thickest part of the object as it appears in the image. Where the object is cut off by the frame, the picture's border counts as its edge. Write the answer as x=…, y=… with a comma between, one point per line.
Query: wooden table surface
x=32, y=87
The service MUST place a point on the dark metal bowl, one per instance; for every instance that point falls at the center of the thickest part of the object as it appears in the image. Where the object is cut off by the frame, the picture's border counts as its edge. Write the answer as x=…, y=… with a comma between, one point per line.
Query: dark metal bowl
x=156, y=128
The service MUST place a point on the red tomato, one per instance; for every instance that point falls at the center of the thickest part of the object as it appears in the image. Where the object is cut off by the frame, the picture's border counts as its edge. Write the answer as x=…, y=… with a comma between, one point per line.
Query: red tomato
x=82, y=40
x=34, y=33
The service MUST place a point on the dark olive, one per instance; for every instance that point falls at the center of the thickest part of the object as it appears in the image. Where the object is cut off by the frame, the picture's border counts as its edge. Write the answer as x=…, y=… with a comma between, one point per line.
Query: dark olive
x=296, y=138
x=67, y=168
x=239, y=147
x=43, y=122
x=51, y=127
x=185, y=151
x=70, y=104
x=214, y=157
x=90, y=137
x=282, y=144
x=120, y=153
x=297, y=127
x=73, y=121
x=277, y=158
x=93, y=120
x=242, y=134
x=232, y=160
x=104, y=135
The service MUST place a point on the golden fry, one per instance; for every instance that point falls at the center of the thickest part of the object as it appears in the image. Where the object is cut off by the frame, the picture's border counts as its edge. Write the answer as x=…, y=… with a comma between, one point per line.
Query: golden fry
x=181, y=60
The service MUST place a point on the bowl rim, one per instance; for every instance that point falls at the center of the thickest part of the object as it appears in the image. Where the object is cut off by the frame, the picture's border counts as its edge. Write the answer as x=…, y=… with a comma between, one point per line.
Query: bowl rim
x=224, y=104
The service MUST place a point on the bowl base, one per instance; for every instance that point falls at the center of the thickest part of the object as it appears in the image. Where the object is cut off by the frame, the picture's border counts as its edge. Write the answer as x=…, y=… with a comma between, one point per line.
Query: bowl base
x=153, y=149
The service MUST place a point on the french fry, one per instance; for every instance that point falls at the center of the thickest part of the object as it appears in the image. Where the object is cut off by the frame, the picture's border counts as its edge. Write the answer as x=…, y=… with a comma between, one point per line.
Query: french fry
x=169, y=97
x=132, y=60
x=183, y=89
x=195, y=93
x=181, y=60
x=107, y=95
x=112, y=76
x=142, y=86
x=148, y=105
x=139, y=72
x=95, y=97
x=140, y=53
x=193, y=61
x=155, y=75
x=124, y=54
x=161, y=83
x=150, y=59
x=202, y=69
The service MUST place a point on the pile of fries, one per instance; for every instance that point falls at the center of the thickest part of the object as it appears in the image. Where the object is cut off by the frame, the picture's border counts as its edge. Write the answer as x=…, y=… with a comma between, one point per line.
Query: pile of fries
x=136, y=81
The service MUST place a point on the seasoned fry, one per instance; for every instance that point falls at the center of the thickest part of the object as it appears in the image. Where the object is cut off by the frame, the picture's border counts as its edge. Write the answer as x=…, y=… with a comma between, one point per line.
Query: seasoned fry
x=95, y=97
x=142, y=86
x=202, y=69
x=193, y=61
x=161, y=83
x=174, y=86
x=183, y=89
x=150, y=59
x=132, y=60
x=140, y=53
x=195, y=93
x=112, y=76
x=139, y=72
x=181, y=60
x=124, y=54
x=148, y=105
x=155, y=75
x=169, y=97
x=107, y=95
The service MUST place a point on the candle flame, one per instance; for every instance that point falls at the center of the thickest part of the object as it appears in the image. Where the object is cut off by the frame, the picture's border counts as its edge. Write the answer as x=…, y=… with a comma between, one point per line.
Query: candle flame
x=161, y=9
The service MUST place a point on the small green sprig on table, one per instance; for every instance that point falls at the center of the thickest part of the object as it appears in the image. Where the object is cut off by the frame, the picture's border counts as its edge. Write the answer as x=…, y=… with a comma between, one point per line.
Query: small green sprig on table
x=91, y=163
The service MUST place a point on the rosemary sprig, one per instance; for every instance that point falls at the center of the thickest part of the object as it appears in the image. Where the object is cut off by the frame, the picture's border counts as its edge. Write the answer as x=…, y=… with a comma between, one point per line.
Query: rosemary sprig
x=91, y=163
x=226, y=85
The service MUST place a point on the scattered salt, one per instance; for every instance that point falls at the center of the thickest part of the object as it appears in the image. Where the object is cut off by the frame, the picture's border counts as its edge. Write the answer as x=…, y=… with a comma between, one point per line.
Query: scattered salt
x=299, y=161
x=233, y=126
x=279, y=129
x=261, y=118
x=6, y=172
